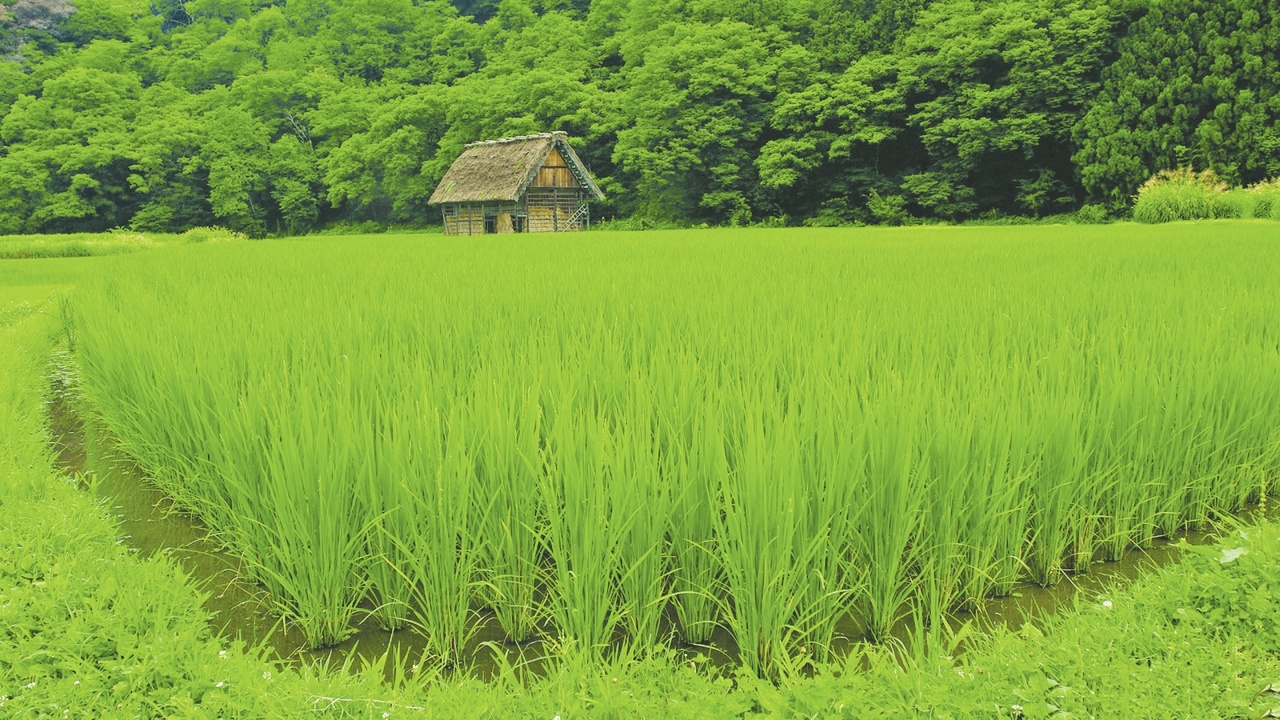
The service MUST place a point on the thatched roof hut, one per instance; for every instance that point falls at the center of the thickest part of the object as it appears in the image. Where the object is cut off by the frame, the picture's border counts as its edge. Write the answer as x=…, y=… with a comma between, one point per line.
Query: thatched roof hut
x=531, y=183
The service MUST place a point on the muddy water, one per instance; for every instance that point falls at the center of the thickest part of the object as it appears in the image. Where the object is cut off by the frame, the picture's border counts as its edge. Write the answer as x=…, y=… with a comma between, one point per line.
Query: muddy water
x=242, y=610
x=239, y=608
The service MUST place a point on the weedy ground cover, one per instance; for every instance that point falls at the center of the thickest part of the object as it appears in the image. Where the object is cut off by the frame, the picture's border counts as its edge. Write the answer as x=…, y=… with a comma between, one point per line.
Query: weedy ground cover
x=768, y=430
x=111, y=243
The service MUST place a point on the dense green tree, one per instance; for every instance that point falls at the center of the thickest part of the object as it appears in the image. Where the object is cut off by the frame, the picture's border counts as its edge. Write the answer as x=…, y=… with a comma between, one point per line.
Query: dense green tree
x=994, y=89
x=695, y=111
x=167, y=174
x=294, y=173
x=844, y=30
x=972, y=112
x=1197, y=82
x=104, y=20
x=65, y=161
x=376, y=173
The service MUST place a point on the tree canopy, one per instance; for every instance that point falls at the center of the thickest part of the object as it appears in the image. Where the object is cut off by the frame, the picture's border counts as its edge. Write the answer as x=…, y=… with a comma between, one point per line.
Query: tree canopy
x=285, y=115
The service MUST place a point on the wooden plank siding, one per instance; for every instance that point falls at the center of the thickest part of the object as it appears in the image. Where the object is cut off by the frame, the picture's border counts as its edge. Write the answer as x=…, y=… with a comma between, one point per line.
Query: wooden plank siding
x=555, y=173
x=464, y=220
x=552, y=209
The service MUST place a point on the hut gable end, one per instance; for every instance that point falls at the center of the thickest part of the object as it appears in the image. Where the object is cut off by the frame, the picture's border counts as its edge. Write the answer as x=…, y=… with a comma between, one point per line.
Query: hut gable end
x=555, y=172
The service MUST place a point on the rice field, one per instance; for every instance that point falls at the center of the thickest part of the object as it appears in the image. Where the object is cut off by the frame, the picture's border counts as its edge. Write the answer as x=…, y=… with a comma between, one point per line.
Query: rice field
x=622, y=440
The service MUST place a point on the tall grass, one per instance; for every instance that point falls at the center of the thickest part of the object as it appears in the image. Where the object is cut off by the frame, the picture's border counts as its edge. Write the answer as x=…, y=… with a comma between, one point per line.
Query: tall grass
x=1185, y=194
x=768, y=432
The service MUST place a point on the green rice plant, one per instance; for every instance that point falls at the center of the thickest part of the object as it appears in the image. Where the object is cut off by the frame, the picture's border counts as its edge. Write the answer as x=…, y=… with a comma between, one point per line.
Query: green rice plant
x=1059, y=479
x=643, y=497
x=439, y=553
x=833, y=464
x=391, y=519
x=510, y=472
x=765, y=557
x=949, y=490
x=696, y=466
x=887, y=538
x=584, y=532
x=771, y=431
x=305, y=534
x=995, y=506
x=1122, y=490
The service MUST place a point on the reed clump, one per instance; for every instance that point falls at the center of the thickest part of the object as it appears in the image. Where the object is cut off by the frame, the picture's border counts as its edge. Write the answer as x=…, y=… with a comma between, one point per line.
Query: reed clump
x=1185, y=194
x=1264, y=200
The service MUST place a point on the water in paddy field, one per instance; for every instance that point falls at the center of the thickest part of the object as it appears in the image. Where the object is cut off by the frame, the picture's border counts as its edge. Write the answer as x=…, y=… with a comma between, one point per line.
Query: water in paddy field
x=240, y=609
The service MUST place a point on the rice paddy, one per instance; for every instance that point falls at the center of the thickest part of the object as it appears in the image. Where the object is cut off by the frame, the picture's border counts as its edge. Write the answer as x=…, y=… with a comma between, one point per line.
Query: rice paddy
x=622, y=440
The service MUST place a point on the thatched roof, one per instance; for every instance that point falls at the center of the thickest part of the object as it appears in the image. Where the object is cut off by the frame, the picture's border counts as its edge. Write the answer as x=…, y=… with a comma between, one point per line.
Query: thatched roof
x=500, y=170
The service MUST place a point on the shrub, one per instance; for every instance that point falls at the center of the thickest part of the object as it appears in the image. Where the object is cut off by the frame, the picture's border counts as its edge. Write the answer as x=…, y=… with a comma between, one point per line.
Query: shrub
x=1264, y=199
x=1230, y=205
x=633, y=223
x=210, y=234
x=1092, y=214
x=887, y=209
x=1183, y=194
x=347, y=227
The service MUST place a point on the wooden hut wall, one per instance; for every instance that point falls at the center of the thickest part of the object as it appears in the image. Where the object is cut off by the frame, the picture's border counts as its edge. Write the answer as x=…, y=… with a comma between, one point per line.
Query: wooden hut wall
x=464, y=220
x=555, y=172
x=461, y=219
x=553, y=210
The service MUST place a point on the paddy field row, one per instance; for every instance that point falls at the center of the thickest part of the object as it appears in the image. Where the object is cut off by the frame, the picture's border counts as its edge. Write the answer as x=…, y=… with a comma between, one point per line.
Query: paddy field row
x=640, y=438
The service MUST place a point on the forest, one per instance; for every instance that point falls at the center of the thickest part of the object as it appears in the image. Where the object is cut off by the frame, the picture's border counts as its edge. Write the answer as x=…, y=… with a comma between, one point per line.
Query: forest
x=294, y=115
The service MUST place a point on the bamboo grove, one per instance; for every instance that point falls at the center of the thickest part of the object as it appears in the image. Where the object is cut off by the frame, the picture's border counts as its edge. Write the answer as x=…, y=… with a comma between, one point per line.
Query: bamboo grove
x=641, y=439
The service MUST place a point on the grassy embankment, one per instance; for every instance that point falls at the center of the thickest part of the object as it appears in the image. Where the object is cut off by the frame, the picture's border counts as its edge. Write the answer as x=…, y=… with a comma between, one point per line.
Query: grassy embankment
x=19, y=247
x=96, y=631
